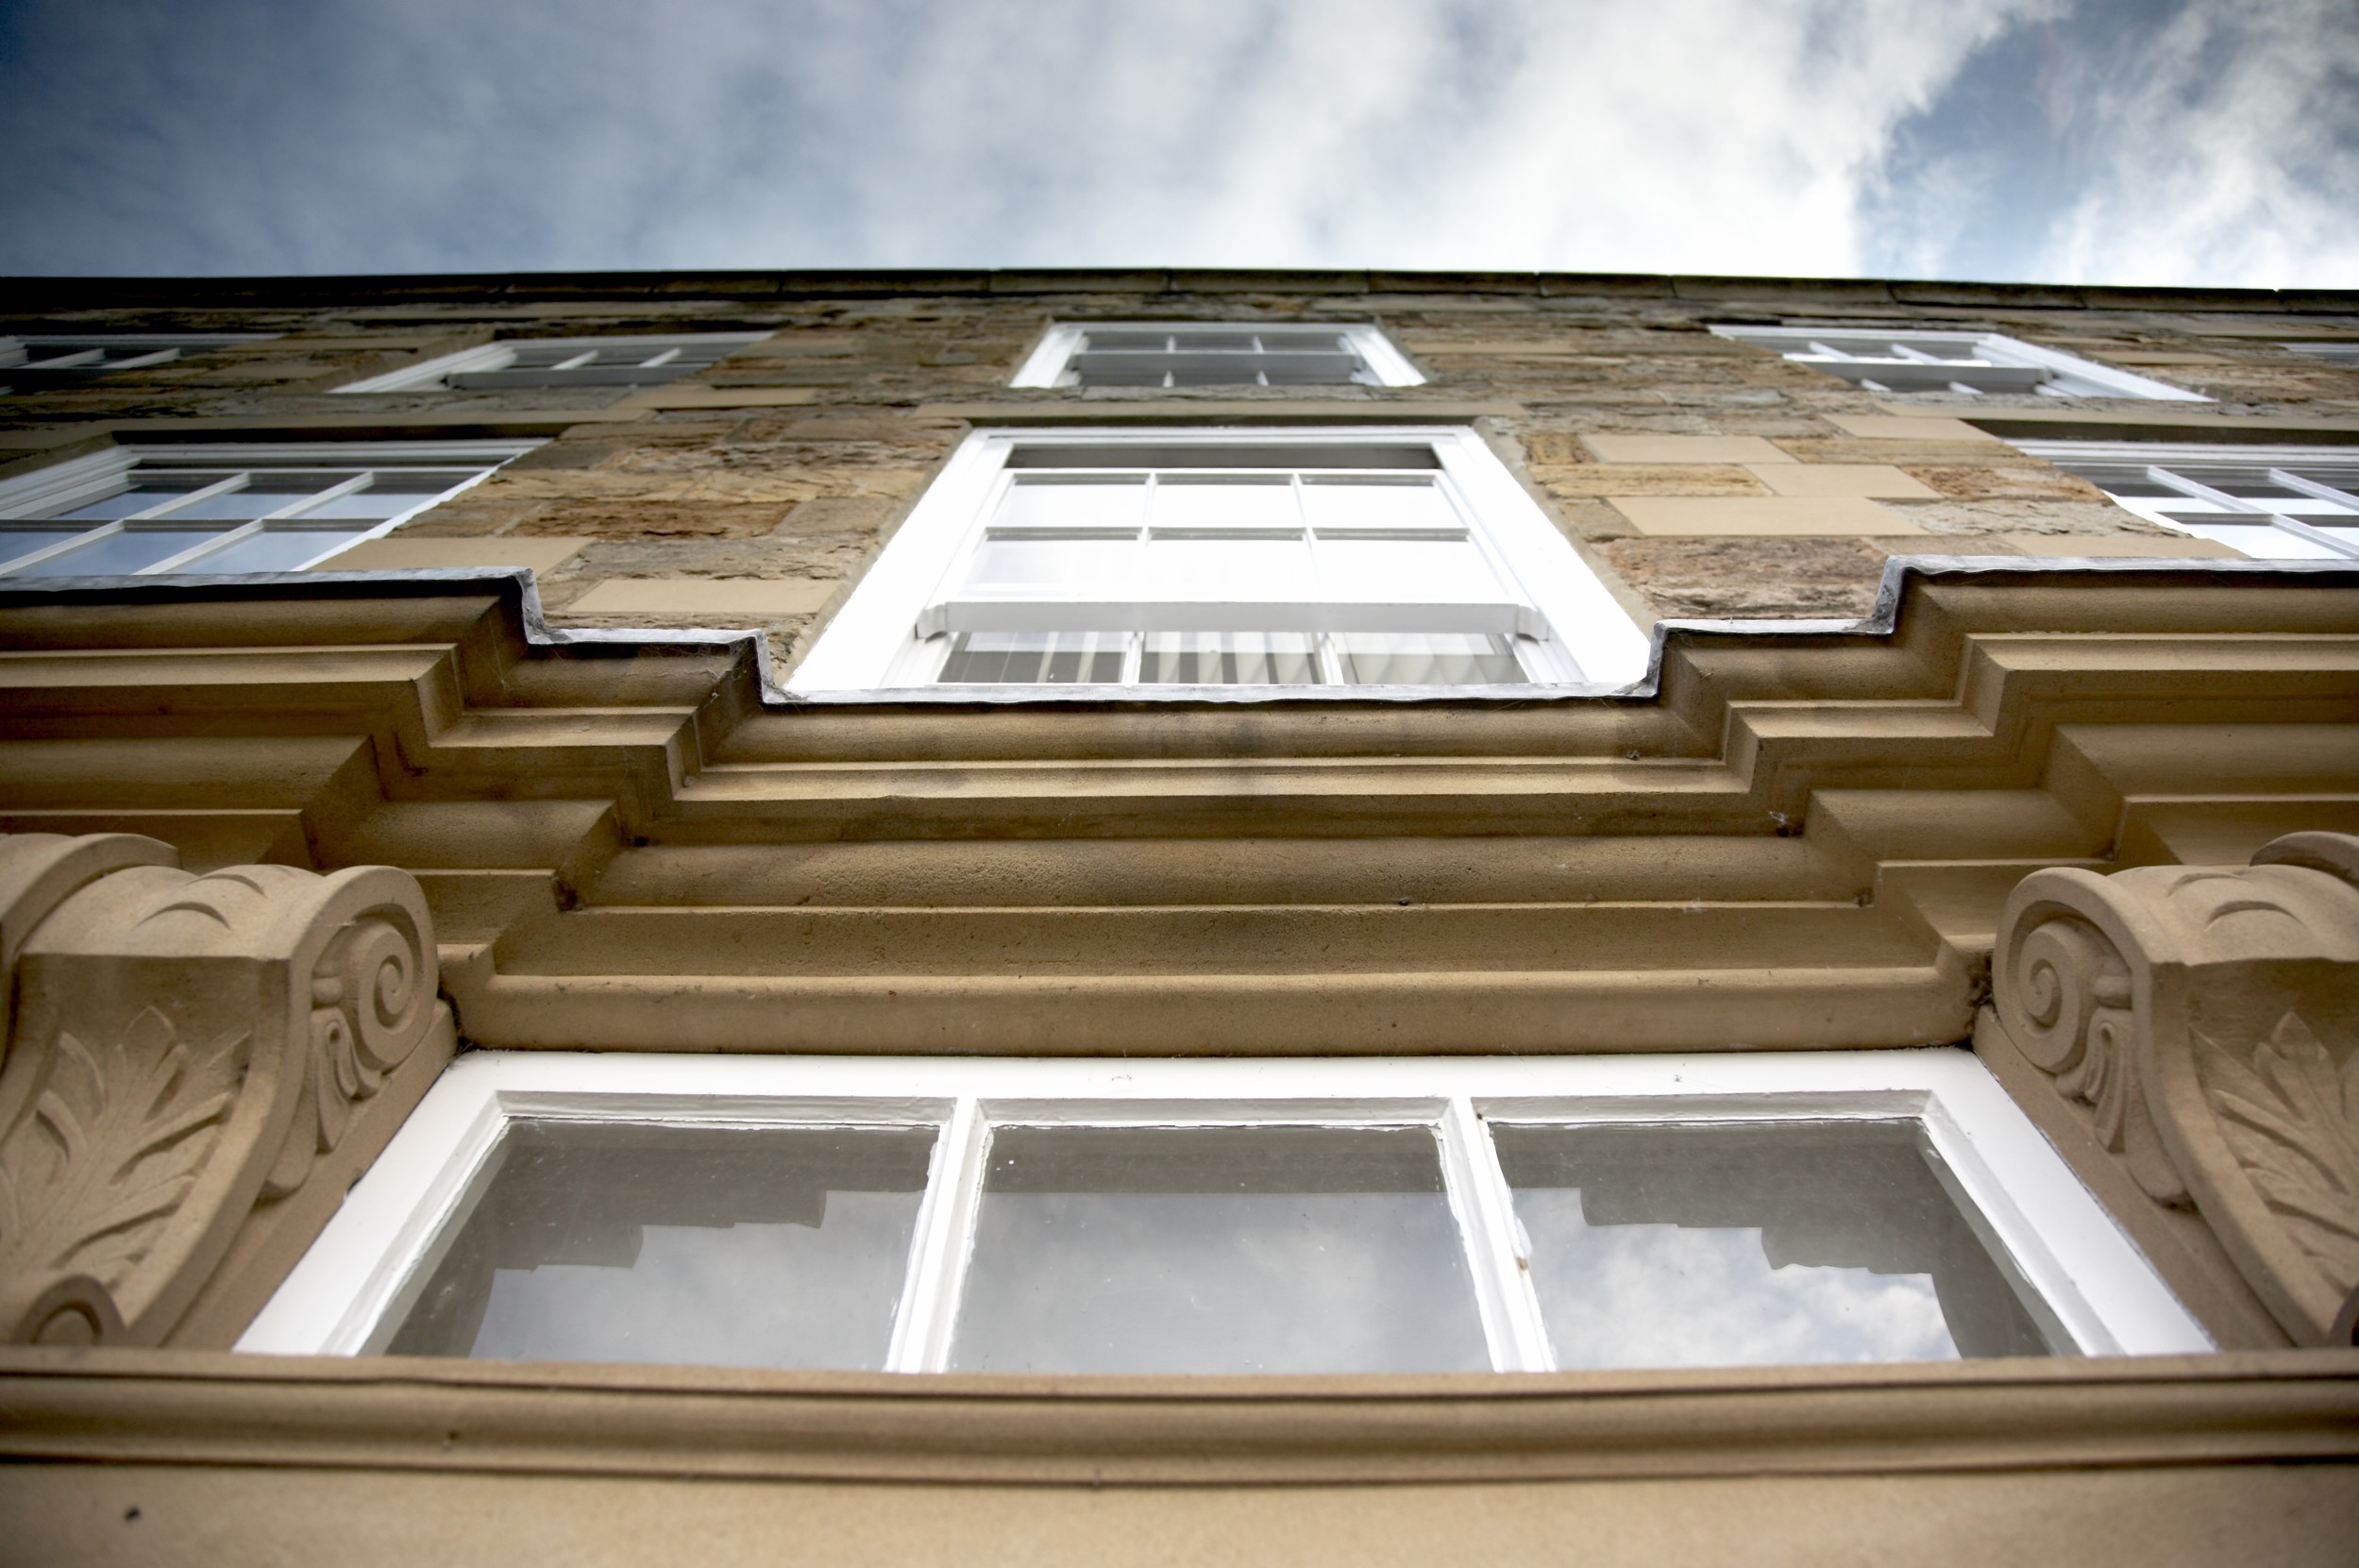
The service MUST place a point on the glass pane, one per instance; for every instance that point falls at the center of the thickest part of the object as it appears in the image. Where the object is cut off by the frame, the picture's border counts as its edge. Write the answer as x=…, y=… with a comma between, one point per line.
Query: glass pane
x=140, y=498
x=1216, y=1250
x=16, y=542
x=722, y=1246
x=1196, y=501
x=1426, y=659
x=274, y=549
x=1244, y=568
x=1406, y=569
x=1079, y=567
x=1113, y=504
x=126, y=551
x=1034, y=658
x=2256, y=538
x=1377, y=505
x=1230, y=658
x=1756, y=1244
x=388, y=494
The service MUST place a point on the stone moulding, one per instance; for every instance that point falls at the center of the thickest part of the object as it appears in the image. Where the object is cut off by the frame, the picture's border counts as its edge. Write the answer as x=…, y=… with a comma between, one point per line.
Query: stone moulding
x=2207, y=1018
x=184, y=1050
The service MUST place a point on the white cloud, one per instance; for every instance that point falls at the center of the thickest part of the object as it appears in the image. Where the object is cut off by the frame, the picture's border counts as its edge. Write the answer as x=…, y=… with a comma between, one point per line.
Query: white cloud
x=2230, y=154
x=1682, y=135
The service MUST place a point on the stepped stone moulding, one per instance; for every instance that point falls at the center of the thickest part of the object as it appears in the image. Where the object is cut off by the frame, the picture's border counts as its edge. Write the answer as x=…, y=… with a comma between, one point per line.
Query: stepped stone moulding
x=2208, y=1019
x=182, y=1050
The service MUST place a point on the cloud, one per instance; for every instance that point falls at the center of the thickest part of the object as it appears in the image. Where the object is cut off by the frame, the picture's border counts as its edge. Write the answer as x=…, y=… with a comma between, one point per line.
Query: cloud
x=1767, y=136
x=2229, y=144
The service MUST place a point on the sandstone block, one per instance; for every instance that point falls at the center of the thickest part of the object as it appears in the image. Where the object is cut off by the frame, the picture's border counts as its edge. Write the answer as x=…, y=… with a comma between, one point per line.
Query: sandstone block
x=721, y=597
x=1797, y=517
x=1876, y=480
x=397, y=552
x=1894, y=427
x=1683, y=448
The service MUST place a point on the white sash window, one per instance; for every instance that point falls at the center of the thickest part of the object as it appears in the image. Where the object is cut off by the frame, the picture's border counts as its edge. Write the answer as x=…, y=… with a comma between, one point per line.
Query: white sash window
x=1893, y=361
x=1199, y=1216
x=1159, y=560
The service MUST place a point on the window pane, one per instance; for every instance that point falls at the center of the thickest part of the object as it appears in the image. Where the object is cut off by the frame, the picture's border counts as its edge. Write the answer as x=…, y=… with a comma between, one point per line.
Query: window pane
x=1201, y=502
x=1741, y=1245
x=138, y=497
x=387, y=494
x=1213, y=1250
x=1044, y=502
x=1035, y=658
x=1078, y=566
x=609, y=1242
x=1247, y=568
x=1426, y=658
x=1230, y=658
x=126, y=551
x=1434, y=571
x=274, y=549
x=16, y=542
x=1378, y=506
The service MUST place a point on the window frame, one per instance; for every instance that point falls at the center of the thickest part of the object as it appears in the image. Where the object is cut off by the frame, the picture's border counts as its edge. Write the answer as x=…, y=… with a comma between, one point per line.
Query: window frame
x=2071, y=376
x=1052, y=358
x=434, y=375
x=866, y=648
x=2162, y=461
x=79, y=480
x=150, y=349
x=348, y=1292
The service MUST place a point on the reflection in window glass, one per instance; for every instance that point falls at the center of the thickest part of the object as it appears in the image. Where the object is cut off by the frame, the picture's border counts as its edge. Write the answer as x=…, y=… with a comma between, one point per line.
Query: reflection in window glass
x=1035, y=658
x=1426, y=658
x=126, y=551
x=1217, y=1250
x=1754, y=1244
x=276, y=549
x=614, y=1242
x=16, y=542
x=1230, y=658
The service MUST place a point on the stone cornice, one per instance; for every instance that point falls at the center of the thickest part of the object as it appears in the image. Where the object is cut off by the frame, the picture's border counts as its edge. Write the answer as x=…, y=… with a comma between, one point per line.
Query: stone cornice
x=1790, y=838
x=682, y=1423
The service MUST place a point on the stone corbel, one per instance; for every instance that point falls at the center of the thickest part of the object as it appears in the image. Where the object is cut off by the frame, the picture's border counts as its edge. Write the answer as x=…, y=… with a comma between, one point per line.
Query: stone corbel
x=2207, y=1018
x=182, y=1052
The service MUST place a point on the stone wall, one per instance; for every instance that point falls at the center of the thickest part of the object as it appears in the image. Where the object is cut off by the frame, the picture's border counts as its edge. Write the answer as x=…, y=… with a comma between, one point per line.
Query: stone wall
x=1701, y=476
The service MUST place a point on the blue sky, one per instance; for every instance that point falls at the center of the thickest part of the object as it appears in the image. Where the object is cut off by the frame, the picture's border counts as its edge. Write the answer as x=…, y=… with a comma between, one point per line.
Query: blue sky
x=2102, y=141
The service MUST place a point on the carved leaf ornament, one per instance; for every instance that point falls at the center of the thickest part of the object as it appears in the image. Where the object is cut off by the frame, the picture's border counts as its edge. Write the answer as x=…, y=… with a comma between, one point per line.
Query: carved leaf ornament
x=2292, y=1121
x=183, y=1048
x=2208, y=1020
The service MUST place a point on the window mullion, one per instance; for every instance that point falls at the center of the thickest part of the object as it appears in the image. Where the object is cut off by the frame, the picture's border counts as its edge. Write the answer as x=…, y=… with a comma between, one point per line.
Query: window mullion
x=937, y=1257
x=1496, y=1253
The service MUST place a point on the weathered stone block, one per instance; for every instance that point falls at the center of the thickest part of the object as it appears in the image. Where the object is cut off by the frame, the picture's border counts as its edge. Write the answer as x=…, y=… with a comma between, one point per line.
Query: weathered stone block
x=1721, y=516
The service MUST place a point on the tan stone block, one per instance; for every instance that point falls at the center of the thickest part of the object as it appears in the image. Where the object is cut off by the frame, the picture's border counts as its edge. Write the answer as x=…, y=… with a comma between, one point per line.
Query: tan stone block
x=541, y=555
x=1894, y=427
x=2027, y=481
x=1879, y=481
x=1845, y=449
x=1629, y=479
x=1750, y=577
x=1683, y=448
x=703, y=396
x=1730, y=516
x=2119, y=543
x=628, y=519
x=697, y=596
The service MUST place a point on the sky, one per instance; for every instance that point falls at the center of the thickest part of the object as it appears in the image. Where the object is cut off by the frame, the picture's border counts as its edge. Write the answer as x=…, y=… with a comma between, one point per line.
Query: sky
x=2158, y=142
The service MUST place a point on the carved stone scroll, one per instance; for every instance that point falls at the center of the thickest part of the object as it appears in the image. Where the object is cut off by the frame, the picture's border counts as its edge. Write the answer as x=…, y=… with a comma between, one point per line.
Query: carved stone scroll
x=182, y=1047
x=2208, y=1017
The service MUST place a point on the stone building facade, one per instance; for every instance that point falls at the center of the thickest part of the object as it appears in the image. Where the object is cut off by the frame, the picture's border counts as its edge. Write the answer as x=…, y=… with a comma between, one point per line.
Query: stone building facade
x=1962, y=733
